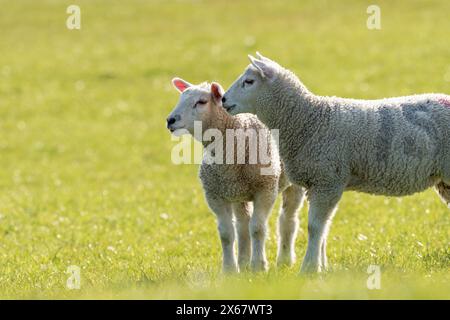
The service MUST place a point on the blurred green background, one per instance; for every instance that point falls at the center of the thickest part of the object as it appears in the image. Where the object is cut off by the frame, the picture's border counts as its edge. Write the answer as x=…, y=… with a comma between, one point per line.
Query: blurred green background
x=86, y=176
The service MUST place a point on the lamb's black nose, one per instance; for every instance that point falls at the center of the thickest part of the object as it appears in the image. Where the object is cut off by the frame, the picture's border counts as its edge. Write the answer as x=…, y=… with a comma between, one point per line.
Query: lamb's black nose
x=170, y=121
x=224, y=99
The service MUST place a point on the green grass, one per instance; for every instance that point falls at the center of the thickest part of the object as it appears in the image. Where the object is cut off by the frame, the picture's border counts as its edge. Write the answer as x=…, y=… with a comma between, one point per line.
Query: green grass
x=85, y=170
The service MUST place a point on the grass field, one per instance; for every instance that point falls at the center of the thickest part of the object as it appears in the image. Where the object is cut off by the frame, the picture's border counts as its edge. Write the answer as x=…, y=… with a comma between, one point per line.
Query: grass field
x=86, y=177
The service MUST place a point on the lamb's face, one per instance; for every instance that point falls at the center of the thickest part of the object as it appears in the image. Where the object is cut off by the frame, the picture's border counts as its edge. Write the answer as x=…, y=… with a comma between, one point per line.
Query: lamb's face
x=241, y=96
x=195, y=104
x=247, y=90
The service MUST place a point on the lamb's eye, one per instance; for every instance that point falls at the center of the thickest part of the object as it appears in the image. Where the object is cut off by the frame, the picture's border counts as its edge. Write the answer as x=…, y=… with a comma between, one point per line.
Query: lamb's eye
x=199, y=102
x=248, y=82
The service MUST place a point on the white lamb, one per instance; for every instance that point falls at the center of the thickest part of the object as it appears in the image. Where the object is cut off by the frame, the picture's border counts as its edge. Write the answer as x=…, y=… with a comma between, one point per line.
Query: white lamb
x=394, y=147
x=238, y=188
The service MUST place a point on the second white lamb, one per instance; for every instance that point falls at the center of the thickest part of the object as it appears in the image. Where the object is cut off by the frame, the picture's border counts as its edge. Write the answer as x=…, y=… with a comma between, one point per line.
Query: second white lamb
x=238, y=190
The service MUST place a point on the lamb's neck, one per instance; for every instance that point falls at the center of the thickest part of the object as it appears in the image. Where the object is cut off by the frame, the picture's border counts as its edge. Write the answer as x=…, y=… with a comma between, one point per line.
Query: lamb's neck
x=220, y=120
x=292, y=108
x=290, y=103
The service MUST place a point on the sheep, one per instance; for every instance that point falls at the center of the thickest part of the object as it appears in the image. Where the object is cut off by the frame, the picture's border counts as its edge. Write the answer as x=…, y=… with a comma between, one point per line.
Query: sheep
x=393, y=147
x=238, y=189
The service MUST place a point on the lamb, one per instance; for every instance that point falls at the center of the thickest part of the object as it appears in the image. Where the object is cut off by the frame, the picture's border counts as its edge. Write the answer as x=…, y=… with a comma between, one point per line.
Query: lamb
x=393, y=147
x=238, y=189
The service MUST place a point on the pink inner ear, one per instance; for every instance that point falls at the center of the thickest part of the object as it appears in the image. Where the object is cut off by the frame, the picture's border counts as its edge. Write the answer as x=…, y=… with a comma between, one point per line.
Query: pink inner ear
x=216, y=92
x=180, y=85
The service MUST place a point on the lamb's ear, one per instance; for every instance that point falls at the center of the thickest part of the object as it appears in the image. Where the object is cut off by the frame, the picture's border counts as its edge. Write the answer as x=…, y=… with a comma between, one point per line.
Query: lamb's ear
x=265, y=68
x=260, y=56
x=180, y=84
x=216, y=92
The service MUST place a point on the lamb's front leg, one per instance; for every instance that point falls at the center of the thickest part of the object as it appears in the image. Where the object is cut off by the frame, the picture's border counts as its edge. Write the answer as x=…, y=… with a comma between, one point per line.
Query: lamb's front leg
x=242, y=212
x=322, y=206
x=263, y=205
x=225, y=226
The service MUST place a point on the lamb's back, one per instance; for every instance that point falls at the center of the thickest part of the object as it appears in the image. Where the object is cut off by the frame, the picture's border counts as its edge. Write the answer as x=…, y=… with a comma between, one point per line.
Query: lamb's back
x=395, y=146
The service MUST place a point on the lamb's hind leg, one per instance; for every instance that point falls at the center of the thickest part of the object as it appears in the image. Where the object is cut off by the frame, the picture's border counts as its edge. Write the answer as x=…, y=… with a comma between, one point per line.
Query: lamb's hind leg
x=242, y=212
x=323, y=247
x=263, y=204
x=443, y=190
x=288, y=224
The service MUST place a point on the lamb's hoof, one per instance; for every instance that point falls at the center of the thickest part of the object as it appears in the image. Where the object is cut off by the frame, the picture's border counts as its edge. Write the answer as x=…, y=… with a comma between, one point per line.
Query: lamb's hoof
x=244, y=266
x=285, y=260
x=310, y=269
x=325, y=268
x=229, y=270
x=259, y=266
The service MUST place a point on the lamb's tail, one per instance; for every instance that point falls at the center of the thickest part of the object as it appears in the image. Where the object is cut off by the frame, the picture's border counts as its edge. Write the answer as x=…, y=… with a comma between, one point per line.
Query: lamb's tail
x=444, y=192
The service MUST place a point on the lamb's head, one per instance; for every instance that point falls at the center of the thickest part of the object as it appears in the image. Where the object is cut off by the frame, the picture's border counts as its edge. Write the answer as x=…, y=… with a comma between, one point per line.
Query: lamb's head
x=257, y=81
x=196, y=103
